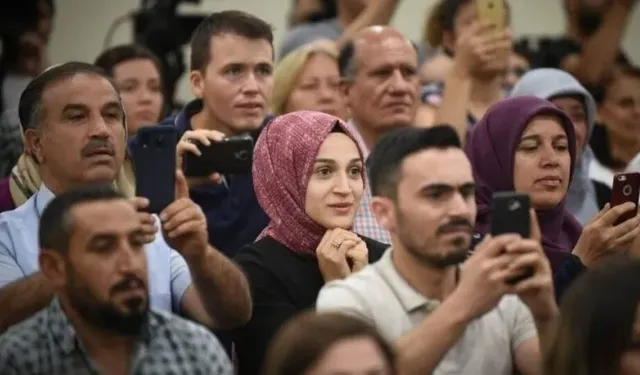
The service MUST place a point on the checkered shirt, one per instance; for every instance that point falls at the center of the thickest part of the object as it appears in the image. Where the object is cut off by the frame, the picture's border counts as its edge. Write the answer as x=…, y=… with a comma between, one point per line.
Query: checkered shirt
x=46, y=344
x=364, y=222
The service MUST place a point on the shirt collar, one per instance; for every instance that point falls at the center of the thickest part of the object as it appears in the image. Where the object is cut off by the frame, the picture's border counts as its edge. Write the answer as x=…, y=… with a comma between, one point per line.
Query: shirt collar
x=410, y=299
x=44, y=196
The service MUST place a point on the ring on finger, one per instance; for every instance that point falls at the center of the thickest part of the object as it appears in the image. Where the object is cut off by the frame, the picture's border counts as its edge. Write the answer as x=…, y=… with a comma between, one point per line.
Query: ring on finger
x=335, y=244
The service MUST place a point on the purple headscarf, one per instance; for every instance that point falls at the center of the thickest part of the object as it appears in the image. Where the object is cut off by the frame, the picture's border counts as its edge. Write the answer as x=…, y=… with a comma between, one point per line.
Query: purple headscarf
x=491, y=148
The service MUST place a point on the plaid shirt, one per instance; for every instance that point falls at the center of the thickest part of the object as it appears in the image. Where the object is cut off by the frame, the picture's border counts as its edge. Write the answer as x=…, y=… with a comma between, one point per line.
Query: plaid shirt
x=46, y=344
x=364, y=222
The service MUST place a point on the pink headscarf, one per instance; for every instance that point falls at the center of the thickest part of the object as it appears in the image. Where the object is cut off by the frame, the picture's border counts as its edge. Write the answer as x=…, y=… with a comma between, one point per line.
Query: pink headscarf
x=282, y=165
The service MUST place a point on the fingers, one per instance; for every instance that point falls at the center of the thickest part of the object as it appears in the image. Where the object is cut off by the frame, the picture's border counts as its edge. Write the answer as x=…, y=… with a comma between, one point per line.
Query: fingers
x=182, y=186
x=187, y=146
x=204, y=137
x=190, y=226
x=174, y=208
x=324, y=239
x=496, y=245
x=139, y=203
x=534, y=228
x=537, y=282
x=626, y=232
x=524, y=246
x=148, y=222
x=609, y=217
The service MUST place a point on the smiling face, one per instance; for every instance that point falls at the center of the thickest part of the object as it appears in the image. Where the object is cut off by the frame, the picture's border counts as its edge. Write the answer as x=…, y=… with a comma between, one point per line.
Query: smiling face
x=336, y=183
x=542, y=162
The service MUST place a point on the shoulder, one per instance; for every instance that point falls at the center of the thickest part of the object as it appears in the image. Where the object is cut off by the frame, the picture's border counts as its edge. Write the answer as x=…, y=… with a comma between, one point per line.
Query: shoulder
x=260, y=251
x=353, y=291
x=376, y=248
x=22, y=341
x=14, y=220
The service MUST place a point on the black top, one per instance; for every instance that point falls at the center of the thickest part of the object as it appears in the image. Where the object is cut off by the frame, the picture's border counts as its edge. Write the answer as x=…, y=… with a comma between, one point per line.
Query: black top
x=283, y=284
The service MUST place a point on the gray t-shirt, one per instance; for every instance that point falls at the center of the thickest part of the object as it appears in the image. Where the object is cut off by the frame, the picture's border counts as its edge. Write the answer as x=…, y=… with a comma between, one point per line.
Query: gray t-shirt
x=380, y=296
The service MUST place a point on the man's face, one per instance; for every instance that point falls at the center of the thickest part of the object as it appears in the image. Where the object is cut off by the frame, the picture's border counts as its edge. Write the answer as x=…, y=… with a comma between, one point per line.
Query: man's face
x=237, y=83
x=384, y=93
x=106, y=266
x=434, y=213
x=82, y=135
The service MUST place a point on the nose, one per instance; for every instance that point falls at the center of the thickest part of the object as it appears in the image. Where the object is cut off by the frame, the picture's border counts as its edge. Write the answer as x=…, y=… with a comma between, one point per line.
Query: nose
x=341, y=184
x=99, y=127
x=399, y=84
x=251, y=85
x=130, y=259
x=326, y=94
x=145, y=96
x=549, y=157
x=459, y=206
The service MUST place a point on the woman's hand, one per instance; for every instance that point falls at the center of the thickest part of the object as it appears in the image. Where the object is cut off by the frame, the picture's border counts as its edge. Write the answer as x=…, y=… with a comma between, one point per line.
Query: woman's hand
x=338, y=245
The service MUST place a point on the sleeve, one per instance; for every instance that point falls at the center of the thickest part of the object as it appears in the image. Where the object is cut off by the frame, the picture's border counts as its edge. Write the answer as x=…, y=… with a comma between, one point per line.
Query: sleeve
x=180, y=279
x=7, y=358
x=567, y=272
x=213, y=358
x=9, y=268
x=337, y=296
x=522, y=327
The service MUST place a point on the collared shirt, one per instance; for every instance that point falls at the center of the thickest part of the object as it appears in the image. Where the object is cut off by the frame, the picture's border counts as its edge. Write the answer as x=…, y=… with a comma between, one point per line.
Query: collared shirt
x=365, y=222
x=169, y=274
x=46, y=344
x=381, y=296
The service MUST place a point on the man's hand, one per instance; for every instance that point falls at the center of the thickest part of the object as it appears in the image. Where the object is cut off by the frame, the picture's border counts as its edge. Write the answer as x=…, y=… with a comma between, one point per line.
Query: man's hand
x=148, y=221
x=187, y=144
x=183, y=223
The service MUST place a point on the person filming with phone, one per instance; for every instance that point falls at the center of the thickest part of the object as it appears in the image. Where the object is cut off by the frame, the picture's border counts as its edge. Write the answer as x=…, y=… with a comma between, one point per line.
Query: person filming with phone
x=528, y=145
x=446, y=317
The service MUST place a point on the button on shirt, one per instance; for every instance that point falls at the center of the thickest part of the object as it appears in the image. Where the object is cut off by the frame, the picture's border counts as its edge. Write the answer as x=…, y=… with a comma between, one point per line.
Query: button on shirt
x=169, y=274
x=46, y=344
x=381, y=296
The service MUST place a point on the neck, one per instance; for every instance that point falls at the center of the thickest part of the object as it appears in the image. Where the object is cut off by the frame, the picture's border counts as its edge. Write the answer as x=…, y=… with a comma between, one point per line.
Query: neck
x=108, y=350
x=430, y=282
x=57, y=186
x=369, y=137
x=345, y=15
x=205, y=120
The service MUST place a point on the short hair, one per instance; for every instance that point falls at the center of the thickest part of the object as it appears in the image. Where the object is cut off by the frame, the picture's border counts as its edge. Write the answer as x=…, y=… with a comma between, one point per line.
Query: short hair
x=55, y=228
x=117, y=55
x=385, y=161
x=225, y=22
x=289, y=68
x=29, y=108
x=307, y=337
x=347, y=60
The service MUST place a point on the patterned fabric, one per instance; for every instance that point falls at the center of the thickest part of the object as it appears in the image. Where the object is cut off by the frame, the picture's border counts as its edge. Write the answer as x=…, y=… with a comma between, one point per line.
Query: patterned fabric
x=10, y=141
x=283, y=159
x=46, y=344
x=365, y=222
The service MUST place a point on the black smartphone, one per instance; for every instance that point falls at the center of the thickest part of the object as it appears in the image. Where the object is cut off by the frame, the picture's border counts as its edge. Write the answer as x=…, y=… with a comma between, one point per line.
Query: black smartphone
x=626, y=188
x=154, y=162
x=232, y=155
x=510, y=214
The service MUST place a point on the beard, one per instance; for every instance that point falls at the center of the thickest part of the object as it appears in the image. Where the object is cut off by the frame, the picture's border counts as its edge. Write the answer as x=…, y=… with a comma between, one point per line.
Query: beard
x=452, y=257
x=105, y=315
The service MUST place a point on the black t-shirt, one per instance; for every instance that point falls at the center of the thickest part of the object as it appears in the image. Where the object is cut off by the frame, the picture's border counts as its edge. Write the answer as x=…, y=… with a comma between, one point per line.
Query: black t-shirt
x=283, y=284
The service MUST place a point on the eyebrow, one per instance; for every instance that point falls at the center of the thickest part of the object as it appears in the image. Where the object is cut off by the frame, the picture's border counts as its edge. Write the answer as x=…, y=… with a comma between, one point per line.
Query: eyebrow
x=536, y=137
x=332, y=161
x=441, y=186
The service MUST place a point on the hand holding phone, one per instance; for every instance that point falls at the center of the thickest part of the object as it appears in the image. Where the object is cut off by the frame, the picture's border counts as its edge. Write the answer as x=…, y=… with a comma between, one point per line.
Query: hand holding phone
x=492, y=11
x=626, y=188
x=227, y=155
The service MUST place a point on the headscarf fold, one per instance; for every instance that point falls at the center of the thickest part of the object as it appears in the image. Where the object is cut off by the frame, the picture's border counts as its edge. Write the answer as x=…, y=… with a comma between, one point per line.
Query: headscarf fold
x=491, y=148
x=547, y=83
x=283, y=161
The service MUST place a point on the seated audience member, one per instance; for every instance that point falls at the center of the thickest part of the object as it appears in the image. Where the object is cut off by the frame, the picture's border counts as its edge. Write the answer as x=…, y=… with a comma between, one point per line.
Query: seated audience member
x=379, y=70
x=585, y=197
x=616, y=140
x=599, y=329
x=138, y=74
x=75, y=127
x=328, y=344
x=309, y=175
x=444, y=318
x=528, y=145
x=308, y=79
x=231, y=68
x=476, y=76
x=92, y=254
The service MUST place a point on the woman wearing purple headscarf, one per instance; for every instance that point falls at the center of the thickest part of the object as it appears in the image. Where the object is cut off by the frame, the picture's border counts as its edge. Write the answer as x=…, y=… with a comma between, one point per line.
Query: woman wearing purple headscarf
x=526, y=144
x=308, y=174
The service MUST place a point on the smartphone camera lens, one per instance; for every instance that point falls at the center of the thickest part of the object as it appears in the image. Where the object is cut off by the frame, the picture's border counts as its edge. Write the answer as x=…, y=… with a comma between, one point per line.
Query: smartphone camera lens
x=627, y=190
x=242, y=155
x=622, y=178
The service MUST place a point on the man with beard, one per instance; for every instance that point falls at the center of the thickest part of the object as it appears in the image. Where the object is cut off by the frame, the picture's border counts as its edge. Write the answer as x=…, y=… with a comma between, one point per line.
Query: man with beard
x=591, y=49
x=445, y=319
x=92, y=254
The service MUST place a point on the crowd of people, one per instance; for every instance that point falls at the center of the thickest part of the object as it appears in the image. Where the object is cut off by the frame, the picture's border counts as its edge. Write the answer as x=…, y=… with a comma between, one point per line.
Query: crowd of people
x=360, y=241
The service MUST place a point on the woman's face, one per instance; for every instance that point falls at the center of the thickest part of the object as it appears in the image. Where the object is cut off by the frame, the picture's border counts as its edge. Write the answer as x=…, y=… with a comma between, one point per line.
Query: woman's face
x=630, y=360
x=542, y=163
x=354, y=356
x=336, y=184
x=620, y=110
x=141, y=91
x=318, y=88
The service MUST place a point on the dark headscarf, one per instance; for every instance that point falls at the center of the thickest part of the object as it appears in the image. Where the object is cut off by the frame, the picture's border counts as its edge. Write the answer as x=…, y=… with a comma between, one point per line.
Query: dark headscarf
x=491, y=148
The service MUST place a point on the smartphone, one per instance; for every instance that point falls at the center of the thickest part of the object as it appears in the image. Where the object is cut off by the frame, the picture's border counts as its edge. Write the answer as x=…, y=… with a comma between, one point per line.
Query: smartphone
x=232, y=155
x=626, y=188
x=510, y=214
x=154, y=162
x=492, y=11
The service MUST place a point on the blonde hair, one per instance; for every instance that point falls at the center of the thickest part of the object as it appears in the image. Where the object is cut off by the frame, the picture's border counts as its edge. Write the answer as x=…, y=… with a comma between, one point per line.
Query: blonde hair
x=289, y=68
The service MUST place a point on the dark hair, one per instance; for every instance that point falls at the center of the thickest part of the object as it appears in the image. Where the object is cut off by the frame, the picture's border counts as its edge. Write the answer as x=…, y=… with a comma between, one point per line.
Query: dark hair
x=597, y=317
x=385, y=161
x=347, y=60
x=31, y=99
x=306, y=338
x=114, y=56
x=55, y=223
x=228, y=21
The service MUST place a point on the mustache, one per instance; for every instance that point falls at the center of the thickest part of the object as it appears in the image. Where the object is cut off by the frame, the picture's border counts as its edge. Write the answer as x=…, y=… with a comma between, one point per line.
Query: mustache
x=127, y=283
x=454, y=225
x=96, y=144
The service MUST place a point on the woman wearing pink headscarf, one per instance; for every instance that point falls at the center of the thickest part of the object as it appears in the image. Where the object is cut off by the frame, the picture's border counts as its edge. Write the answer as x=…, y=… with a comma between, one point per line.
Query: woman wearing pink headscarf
x=308, y=174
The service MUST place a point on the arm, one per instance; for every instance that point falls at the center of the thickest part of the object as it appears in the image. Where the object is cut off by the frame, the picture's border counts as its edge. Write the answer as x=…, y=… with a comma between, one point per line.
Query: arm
x=528, y=354
x=23, y=298
x=455, y=101
x=377, y=12
x=219, y=296
x=593, y=65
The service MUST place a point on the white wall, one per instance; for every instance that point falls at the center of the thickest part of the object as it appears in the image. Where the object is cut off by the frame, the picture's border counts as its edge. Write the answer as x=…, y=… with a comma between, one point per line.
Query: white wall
x=81, y=25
